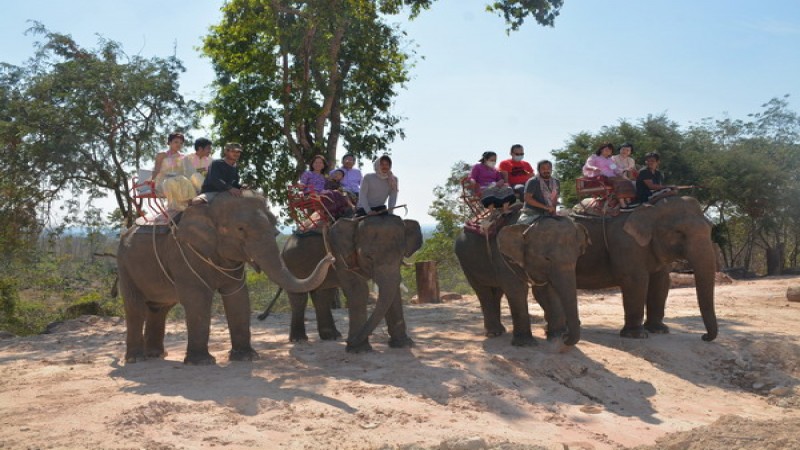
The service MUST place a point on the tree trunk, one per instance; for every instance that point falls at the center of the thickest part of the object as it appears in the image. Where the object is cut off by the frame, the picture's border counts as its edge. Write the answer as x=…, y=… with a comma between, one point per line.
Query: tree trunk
x=775, y=259
x=427, y=282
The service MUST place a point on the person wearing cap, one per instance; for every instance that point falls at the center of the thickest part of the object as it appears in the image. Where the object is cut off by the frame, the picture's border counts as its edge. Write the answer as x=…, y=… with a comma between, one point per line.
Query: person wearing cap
x=650, y=185
x=223, y=175
x=518, y=170
x=351, y=182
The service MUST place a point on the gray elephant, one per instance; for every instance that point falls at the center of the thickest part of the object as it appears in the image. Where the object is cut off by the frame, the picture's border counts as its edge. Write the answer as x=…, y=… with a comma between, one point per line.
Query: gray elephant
x=206, y=253
x=369, y=248
x=544, y=255
x=635, y=251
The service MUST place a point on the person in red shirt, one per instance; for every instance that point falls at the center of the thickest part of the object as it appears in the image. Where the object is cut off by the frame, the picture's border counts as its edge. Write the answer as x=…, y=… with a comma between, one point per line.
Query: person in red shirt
x=518, y=171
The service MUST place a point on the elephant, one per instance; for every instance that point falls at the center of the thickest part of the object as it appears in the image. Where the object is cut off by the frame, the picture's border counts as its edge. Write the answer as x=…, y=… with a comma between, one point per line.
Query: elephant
x=635, y=251
x=204, y=253
x=544, y=254
x=369, y=248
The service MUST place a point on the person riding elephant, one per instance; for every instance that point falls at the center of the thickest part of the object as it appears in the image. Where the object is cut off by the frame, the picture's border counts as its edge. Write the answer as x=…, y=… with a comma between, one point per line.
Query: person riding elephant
x=635, y=252
x=544, y=255
x=373, y=248
x=205, y=253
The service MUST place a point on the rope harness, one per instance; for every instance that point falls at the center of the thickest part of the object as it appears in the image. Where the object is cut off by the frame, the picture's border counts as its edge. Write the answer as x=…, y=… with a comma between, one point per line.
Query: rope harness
x=206, y=259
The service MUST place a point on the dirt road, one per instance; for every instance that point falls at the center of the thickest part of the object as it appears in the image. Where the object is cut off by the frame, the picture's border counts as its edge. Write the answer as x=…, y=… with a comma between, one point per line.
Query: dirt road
x=454, y=390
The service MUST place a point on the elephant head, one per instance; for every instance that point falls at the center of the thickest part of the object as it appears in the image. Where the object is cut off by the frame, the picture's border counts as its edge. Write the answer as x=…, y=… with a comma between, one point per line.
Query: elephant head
x=547, y=252
x=243, y=230
x=676, y=228
x=375, y=247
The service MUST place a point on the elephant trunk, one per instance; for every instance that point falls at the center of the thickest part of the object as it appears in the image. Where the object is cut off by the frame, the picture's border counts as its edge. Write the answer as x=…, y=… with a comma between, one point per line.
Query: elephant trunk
x=388, y=293
x=701, y=258
x=268, y=257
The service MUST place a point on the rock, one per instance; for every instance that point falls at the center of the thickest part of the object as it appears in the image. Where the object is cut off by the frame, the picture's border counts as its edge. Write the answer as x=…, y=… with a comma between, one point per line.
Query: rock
x=780, y=391
x=741, y=362
x=466, y=443
x=446, y=296
x=758, y=385
x=793, y=293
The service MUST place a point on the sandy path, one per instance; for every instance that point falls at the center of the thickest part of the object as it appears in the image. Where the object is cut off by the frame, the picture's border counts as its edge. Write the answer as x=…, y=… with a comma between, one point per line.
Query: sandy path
x=454, y=390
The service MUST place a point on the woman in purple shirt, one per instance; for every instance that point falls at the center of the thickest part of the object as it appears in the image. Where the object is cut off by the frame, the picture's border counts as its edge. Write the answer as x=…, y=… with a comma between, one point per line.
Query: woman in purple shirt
x=313, y=179
x=494, y=191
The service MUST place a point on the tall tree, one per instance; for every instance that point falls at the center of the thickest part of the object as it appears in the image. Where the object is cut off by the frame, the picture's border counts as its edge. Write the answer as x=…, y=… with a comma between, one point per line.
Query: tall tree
x=299, y=78
x=86, y=118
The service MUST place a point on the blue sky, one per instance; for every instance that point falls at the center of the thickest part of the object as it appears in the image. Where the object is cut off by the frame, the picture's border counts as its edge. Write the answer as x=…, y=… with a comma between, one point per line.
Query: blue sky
x=475, y=88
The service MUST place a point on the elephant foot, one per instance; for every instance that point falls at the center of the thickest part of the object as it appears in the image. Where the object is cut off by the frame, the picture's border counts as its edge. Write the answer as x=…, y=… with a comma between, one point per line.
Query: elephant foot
x=247, y=354
x=298, y=337
x=199, y=359
x=358, y=348
x=656, y=328
x=403, y=342
x=495, y=331
x=634, y=332
x=523, y=340
x=329, y=335
x=156, y=354
x=134, y=357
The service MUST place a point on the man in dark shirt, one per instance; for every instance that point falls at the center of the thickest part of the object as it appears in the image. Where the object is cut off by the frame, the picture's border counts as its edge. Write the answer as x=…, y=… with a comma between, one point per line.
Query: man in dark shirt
x=223, y=175
x=650, y=180
x=541, y=194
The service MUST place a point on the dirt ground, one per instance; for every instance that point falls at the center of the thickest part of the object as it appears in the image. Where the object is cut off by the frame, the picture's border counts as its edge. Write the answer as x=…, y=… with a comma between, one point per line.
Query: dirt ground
x=455, y=389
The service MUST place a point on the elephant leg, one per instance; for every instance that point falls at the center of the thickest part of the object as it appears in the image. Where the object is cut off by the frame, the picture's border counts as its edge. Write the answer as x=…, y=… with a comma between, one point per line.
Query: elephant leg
x=518, y=305
x=490, y=298
x=323, y=300
x=554, y=315
x=197, y=303
x=634, y=293
x=155, y=326
x=396, y=324
x=297, y=329
x=135, y=313
x=238, y=312
x=657, y=292
x=357, y=293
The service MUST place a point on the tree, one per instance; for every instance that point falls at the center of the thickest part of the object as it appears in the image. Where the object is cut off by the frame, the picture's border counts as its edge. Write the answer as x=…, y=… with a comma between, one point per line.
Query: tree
x=300, y=78
x=84, y=119
x=450, y=213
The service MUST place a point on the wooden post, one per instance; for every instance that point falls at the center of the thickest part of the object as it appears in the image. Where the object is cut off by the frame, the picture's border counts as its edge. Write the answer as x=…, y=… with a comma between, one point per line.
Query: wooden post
x=427, y=282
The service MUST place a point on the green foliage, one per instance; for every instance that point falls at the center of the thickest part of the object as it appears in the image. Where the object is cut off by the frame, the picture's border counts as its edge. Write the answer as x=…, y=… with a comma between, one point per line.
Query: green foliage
x=298, y=79
x=748, y=173
x=450, y=213
x=80, y=119
x=515, y=12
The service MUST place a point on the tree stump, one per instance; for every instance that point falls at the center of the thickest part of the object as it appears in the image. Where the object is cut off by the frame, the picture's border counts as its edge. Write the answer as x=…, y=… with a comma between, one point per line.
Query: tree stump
x=793, y=293
x=427, y=282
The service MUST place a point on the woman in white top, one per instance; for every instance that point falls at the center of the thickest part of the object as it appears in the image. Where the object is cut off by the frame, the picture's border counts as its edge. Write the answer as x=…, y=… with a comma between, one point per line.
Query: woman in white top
x=376, y=188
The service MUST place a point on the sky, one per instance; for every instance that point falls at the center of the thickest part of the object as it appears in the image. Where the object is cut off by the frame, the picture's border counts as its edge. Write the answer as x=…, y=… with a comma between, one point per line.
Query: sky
x=475, y=88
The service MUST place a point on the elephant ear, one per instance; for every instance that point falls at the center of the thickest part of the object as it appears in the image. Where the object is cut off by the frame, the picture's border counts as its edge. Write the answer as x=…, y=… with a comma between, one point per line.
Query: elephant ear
x=343, y=241
x=511, y=243
x=413, y=237
x=640, y=226
x=197, y=228
x=582, y=234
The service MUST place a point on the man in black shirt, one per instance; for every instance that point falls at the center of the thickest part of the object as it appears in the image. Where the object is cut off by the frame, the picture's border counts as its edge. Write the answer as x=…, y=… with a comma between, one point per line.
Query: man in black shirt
x=223, y=175
x=651, y=180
